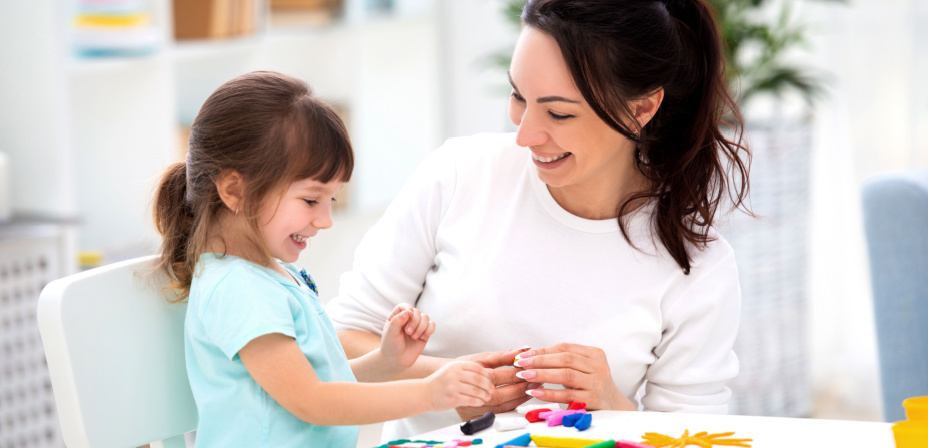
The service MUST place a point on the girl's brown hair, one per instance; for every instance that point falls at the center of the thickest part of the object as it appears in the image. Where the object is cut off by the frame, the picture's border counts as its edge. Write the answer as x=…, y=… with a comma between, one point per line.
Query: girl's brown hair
x=621, y=50
x=272, y=130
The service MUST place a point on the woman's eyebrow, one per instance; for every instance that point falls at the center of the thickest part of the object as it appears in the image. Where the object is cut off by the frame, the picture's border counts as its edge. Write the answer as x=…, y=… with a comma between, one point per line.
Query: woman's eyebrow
x=544, y=99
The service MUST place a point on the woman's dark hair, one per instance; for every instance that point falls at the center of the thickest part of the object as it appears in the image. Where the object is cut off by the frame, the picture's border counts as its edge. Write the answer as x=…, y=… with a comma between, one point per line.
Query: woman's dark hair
x=272, y=130
x=618, y=51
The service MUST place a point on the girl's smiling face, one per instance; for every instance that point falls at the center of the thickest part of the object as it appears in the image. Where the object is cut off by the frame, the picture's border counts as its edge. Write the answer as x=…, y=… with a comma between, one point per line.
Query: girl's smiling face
x=303, y=209
x=571, y=146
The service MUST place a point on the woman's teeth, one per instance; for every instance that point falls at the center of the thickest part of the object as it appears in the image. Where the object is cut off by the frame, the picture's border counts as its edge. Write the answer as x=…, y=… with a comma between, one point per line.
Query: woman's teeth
x=549, y=159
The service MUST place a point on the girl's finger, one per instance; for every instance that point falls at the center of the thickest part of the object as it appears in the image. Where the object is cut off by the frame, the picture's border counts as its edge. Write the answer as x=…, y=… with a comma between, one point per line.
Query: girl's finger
x=428, y=332
x=413, y=322
x=397, y=310
x=395, y=324
x=422, y=327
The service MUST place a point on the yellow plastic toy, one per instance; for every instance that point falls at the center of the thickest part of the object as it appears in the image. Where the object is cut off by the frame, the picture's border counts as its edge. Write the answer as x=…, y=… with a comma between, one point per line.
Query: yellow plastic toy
x=913, y=432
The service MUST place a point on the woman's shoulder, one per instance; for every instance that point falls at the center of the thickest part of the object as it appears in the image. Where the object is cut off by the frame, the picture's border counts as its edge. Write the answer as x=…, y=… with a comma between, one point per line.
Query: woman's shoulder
x=480, y=149
x=717, y=252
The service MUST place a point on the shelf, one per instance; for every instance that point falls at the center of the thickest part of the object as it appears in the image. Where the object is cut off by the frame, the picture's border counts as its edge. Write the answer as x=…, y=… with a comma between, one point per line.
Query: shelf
x=195, y=49
x=89, y=65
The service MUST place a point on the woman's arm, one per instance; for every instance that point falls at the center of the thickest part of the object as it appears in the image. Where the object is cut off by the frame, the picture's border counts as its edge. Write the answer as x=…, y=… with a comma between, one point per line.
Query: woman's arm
x=694, y=357
x=278, y=365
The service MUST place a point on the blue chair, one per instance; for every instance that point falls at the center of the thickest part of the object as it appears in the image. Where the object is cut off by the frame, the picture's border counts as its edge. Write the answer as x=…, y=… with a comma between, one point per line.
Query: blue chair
x=115, y=351
x=895, y=209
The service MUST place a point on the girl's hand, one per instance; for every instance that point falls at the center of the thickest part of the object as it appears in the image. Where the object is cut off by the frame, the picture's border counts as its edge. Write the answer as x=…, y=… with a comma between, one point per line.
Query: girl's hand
x=509, y=392
x=458, y=383
x=404, y=335
x=582, y=370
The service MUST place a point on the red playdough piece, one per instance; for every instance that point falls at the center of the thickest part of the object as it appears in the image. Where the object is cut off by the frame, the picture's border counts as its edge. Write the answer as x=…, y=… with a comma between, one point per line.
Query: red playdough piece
x=532, y=416
x=574, y=405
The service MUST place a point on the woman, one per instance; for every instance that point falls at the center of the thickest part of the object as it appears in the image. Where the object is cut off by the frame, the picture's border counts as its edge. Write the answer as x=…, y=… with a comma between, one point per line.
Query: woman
x=587, y=234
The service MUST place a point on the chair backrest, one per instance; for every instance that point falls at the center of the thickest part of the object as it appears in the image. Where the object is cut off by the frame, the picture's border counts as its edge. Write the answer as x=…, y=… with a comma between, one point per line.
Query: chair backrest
x=115, y=351
x=895, y=209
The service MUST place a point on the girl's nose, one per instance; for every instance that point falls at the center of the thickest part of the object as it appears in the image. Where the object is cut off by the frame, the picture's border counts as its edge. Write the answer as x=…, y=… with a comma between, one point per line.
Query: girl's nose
x=323, y=220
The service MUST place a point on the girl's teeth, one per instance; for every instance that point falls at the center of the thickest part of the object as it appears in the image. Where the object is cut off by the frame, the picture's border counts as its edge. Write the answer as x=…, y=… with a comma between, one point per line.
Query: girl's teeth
x=298, y=238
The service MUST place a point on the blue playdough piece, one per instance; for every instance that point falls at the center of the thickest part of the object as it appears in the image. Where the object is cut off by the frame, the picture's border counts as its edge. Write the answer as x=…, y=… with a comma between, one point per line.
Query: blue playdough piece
x=571, y=420
x=584, y=422
x=522, y=440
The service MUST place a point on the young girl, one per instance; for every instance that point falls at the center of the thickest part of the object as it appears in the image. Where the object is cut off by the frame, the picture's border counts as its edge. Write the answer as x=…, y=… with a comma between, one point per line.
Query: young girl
x=266, y=159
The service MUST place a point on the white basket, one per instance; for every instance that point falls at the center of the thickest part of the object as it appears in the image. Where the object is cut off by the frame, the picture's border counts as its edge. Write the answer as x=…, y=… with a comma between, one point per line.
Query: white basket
x=772, y=255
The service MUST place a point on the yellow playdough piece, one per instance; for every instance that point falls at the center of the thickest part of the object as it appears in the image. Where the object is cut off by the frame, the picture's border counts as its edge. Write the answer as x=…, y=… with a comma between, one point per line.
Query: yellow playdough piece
x=563, y=442
x=701, y=439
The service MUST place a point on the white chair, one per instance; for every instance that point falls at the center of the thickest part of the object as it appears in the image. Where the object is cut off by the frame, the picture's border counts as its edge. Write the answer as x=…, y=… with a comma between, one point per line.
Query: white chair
x=115, y=351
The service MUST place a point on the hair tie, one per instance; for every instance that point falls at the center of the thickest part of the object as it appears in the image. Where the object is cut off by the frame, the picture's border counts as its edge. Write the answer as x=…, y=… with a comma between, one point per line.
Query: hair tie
x=188, y=197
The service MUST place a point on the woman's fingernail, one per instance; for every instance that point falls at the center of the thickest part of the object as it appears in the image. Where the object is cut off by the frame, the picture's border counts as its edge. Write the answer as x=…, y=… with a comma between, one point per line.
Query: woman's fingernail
x=533, y=386
x=535, y=393
x=524, y=355
x=523, y=362
x=526, y=374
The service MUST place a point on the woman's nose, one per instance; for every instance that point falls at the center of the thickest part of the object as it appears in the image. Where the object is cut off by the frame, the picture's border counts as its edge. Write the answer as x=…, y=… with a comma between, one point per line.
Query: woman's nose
x=530, y=132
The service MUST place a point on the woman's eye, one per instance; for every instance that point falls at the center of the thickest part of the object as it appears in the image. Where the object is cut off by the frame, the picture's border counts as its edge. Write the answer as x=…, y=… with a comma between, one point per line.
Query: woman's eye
x=515, y=95
x=559, y=116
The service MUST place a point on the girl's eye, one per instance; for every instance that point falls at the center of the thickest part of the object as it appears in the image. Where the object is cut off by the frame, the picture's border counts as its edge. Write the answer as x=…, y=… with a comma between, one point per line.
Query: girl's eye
x=311, y=202
x=515, y=95
x=560, y=117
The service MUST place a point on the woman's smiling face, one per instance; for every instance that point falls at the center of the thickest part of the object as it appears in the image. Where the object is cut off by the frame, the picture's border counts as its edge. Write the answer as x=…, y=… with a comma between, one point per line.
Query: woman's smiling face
x=571, y=146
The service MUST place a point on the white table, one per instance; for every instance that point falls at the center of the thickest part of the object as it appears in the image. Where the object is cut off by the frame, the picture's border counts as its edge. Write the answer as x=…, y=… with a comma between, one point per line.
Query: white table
x=767, y=432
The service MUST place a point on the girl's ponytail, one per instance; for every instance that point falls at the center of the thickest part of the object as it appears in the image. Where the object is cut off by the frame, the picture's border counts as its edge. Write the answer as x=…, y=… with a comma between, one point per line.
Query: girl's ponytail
x=174, y=220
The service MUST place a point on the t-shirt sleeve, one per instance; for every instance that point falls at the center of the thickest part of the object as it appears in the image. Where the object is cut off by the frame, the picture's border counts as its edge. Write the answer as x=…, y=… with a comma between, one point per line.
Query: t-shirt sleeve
x=694, y=357
x=394, y=257
x=244, y=306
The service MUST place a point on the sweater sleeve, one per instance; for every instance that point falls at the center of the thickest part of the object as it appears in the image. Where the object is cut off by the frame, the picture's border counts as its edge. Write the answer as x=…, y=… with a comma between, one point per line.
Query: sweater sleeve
x=694, y=357
x=394, y=257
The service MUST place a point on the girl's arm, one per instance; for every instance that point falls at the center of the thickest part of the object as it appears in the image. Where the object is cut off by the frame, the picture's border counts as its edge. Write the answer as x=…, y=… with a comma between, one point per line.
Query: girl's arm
x=282, y=370
x=405, y=334
x=358, y=344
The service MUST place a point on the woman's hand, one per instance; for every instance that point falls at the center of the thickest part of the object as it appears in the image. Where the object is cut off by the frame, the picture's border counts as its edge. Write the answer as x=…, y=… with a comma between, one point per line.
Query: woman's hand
x=405, y=334
x=582, y=370
x=509, y=391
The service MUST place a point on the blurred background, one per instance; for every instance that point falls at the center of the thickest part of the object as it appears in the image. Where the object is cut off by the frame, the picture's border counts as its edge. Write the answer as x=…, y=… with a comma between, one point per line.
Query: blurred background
x=96, y=97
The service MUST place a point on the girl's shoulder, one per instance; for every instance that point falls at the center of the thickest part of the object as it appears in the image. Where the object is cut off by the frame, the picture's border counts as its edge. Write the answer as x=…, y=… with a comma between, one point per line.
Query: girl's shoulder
x=215, y=270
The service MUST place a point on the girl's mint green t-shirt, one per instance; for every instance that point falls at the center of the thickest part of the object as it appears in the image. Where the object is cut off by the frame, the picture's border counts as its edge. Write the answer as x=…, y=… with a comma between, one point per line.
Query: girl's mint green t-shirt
x=233, y=301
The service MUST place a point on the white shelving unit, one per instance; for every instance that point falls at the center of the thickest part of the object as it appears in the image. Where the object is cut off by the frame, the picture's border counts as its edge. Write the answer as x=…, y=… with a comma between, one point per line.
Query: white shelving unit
x=101, y=130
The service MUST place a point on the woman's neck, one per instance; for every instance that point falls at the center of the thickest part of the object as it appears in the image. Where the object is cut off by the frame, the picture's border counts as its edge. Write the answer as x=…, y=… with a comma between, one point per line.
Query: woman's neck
x=600, y=198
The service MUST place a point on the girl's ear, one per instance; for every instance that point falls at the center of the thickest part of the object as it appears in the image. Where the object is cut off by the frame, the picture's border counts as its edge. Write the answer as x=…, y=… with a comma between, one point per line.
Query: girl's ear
x=231, y=188
x=645, y=108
